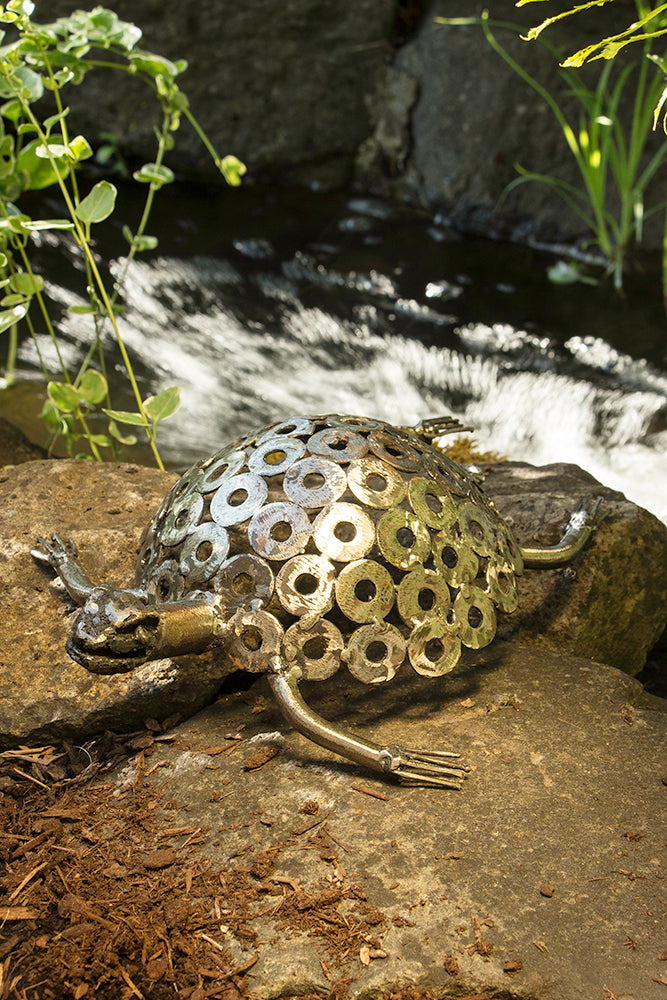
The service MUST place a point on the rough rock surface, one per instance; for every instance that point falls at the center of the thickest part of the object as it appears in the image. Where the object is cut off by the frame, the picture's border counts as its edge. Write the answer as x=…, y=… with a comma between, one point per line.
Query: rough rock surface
x=280, y=85
x=610, y=603
x=300, y=90
x=541, y=879
x=44, y=695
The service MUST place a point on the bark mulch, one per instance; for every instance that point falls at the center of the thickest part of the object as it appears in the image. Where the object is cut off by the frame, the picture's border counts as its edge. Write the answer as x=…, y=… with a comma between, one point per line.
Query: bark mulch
x=103, y=896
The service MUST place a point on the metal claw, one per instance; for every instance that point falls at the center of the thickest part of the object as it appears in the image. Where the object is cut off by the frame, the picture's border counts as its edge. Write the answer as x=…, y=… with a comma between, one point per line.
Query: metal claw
x=411, y=767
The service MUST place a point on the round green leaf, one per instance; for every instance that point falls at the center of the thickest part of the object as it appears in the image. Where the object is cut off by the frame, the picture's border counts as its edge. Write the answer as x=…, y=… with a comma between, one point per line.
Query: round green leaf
x=8, y=317
x=164, y=404
x=63, y=395
x=40, y=172
x=98, y=204
x=152, y=173
x=92, y=387
x=126, y=417
x=79, y=149
x=128, y=439
x=26, y=284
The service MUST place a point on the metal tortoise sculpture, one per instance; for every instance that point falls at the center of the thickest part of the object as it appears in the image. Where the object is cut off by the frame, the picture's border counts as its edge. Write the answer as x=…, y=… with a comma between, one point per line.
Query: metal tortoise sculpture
x=317, y=543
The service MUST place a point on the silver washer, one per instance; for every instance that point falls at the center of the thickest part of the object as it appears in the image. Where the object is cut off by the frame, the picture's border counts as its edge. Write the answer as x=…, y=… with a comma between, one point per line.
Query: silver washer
x=249, y=489
x=244, y=581
x=315, y=646
x=304, y=585
x=165, y=582
x=343, y=531
x=181, y=518
x=256, y=636
x=314, y=482
x=291, y=427
x=204, y=551
x=342, y=444
x=375, y=652
x=279, y=530
x=276, y=455
x=222, y=467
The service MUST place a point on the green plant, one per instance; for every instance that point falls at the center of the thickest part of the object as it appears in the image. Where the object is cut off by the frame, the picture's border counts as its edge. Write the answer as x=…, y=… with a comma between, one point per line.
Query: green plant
x=608, y=155
x=38, y=149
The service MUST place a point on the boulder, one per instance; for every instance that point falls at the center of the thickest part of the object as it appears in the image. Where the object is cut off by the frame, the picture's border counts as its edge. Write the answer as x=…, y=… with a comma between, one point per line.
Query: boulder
x=302, y=91
x=44, y=695
x=539, y=880
x=609, y=604
x=280, y=85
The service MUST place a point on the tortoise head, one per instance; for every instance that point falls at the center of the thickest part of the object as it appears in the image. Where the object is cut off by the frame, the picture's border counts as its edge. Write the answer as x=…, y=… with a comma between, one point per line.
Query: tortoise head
x=114, y=632
x=118, y=630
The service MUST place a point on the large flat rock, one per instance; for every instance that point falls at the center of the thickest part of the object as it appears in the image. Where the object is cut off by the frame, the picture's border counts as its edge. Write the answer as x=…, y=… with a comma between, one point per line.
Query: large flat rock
x=541, y=879
x=610, y=604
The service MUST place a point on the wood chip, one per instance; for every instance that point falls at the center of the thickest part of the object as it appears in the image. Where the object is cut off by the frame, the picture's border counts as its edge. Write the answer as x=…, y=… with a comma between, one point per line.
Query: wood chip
x=162, y=858
x=17, y=913
x=260, y=758
x=371, y=791
x=512, y=966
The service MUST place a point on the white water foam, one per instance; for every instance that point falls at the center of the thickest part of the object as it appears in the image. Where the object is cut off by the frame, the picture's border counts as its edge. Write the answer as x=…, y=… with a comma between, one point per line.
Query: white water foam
x=242, y=364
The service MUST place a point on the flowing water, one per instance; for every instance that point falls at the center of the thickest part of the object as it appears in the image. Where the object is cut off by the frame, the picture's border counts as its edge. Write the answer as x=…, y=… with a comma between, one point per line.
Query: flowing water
x=266, y=307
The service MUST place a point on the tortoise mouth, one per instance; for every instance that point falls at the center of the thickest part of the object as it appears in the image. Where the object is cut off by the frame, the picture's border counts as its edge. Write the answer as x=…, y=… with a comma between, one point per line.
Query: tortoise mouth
x=104, y=662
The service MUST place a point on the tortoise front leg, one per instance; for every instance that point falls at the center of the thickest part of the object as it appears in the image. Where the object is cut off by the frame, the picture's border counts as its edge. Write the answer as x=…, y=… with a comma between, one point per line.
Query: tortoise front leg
x=62, y=557
x=414, y=767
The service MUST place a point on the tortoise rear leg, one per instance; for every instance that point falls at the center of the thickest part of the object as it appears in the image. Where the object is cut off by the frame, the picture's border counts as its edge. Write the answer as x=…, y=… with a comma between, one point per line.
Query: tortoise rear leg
x=583, y=522
x=62, y=557
x=412, y=767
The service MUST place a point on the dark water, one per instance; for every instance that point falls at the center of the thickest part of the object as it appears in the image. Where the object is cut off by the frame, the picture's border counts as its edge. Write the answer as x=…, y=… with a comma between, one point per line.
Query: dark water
x=260, y=306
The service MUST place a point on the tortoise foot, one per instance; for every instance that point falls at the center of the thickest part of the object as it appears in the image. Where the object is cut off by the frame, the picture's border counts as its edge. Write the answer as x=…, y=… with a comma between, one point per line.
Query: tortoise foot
x=424, y=767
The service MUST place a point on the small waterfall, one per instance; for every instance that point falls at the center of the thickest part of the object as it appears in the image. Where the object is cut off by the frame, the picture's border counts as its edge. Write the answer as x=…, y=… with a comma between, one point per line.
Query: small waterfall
x=254, y=338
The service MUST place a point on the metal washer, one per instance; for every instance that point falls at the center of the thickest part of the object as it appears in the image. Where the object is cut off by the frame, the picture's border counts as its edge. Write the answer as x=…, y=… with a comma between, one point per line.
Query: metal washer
x=409, y=594
x=342, y=444
x=256, y=637
x=181, y=518
x=375, y=580
x=391, y=527
x=165, y=583
x=419, y=488
x=315, y=646
x=226, y=513
x=343, y=532
x=304, y=585
x=314, y=482
x=434, y=648
x=196, y=569
x=279, y=530
x=244, y=581
x=454, y=558
x=469, y=600
x=375, y=652
x=478, y=526
x=501, y=584
x=221, y=467
x=395, y=449
x=191, y=480
x=375, y=482
x=275, y=455
x=291, y=427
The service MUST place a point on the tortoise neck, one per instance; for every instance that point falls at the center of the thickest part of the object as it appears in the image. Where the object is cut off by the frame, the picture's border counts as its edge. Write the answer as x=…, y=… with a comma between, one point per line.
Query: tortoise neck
x=187, y=627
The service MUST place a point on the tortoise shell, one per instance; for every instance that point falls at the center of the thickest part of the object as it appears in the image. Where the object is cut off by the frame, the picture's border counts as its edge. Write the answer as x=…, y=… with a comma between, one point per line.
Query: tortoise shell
x=336, y=540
